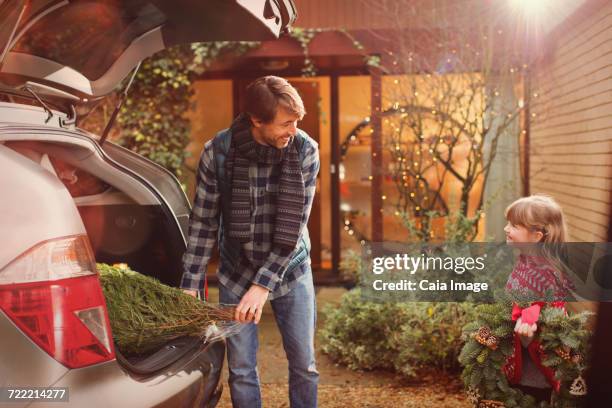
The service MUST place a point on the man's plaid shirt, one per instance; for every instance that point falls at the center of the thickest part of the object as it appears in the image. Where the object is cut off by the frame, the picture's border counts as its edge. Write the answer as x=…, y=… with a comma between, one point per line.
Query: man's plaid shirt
x=266, y=264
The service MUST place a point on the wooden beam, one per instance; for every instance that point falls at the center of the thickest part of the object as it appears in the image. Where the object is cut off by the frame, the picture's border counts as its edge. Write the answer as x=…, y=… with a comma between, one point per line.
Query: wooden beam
x=335, y=174
x=610, y=220
x=526, y=133
x=236, y=96
x=376, y=155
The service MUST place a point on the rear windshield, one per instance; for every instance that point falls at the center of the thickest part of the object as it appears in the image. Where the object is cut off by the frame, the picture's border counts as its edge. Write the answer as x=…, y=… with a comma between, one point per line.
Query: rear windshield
x=89, y=36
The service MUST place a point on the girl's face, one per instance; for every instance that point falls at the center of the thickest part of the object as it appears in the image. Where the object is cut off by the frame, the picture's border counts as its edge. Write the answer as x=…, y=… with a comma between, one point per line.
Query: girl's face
x=520, y=234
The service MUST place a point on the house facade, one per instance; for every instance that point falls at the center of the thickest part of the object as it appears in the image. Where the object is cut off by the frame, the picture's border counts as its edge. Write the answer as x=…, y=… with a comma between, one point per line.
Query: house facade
x=559, y=142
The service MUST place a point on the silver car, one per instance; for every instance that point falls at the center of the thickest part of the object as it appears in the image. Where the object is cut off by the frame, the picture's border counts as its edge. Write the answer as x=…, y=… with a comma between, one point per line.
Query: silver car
x=67, y=201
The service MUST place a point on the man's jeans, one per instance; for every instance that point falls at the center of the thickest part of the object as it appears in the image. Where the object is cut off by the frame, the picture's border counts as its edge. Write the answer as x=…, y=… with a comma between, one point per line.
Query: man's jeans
x=295, y=315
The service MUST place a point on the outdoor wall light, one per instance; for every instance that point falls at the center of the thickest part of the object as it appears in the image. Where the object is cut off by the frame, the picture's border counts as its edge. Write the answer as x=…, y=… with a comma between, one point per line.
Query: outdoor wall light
x=274, y=65
x=543, y=15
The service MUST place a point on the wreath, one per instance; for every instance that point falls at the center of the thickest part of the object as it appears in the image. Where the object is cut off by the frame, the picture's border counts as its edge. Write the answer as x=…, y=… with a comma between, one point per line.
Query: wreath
x=492, y=354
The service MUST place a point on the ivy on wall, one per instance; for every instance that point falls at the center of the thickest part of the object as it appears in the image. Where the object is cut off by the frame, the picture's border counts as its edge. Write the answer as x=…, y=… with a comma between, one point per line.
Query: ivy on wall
x=305, y=35
x=152, y=120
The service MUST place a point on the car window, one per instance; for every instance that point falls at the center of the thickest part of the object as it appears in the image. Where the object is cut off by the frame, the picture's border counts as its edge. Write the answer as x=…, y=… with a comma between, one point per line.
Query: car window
x=89, y=37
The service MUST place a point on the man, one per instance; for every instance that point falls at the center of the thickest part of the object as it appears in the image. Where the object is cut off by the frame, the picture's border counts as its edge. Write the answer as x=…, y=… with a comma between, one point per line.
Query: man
x=255, y=187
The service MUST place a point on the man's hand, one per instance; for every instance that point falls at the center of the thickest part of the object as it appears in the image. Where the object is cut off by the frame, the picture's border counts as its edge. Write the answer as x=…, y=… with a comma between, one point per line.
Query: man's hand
x=193, y=293
x=251, y=305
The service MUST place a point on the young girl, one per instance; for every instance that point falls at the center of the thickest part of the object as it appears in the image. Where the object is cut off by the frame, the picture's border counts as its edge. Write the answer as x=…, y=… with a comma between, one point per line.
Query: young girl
x=536, y=220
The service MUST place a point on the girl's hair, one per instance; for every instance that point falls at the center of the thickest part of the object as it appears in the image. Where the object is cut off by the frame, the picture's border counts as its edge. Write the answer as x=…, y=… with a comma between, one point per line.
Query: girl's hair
x=539, y=212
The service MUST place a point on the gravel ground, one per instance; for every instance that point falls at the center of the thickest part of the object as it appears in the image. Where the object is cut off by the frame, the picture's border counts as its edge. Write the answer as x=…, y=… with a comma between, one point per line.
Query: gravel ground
x=335, y=396
x=340, y=387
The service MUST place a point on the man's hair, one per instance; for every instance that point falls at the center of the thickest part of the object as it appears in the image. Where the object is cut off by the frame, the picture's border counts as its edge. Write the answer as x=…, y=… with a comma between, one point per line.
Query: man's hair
x=265, y=94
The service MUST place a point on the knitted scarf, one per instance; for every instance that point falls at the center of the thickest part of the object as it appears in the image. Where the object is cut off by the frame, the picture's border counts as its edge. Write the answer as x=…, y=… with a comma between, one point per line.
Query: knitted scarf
x=290, y=201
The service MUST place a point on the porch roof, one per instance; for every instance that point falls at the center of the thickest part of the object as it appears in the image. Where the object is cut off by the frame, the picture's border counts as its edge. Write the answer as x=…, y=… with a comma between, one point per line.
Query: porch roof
x=334, y=53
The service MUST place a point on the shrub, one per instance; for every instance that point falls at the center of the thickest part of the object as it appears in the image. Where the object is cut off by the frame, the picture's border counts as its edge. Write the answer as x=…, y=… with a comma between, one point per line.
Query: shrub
x=351, y=266
x=402, y=337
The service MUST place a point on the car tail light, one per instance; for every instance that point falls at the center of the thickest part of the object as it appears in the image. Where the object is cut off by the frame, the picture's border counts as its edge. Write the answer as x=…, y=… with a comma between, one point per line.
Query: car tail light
x=53, y=294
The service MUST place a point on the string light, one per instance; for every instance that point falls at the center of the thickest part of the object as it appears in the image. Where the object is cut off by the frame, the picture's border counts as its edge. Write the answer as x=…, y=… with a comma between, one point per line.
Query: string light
x=413, y=146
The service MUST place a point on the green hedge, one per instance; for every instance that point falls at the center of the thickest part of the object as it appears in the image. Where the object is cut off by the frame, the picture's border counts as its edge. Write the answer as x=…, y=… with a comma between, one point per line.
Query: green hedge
x=402, y=337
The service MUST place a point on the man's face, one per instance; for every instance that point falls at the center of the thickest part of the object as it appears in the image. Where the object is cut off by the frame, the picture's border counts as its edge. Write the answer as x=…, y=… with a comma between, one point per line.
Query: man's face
x=279, y=131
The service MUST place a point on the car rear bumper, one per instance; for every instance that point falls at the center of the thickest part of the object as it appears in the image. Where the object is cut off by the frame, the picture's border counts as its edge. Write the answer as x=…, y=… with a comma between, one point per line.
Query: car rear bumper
x=190, y=383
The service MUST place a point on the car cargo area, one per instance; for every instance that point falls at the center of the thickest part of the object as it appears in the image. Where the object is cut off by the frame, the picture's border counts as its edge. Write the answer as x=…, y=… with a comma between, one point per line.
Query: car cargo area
x=120, y=228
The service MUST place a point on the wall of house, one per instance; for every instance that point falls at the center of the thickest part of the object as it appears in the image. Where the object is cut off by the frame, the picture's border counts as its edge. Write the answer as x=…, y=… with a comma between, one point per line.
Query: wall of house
x=571, y=131
x=378, y=14
x=349, y=14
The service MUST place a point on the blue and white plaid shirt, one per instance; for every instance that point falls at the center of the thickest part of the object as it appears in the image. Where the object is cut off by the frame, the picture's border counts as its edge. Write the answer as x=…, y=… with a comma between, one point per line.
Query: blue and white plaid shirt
x=267, y=266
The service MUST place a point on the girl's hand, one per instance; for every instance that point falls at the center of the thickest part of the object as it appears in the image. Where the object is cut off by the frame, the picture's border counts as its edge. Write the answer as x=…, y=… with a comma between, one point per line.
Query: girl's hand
x=525, y=329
